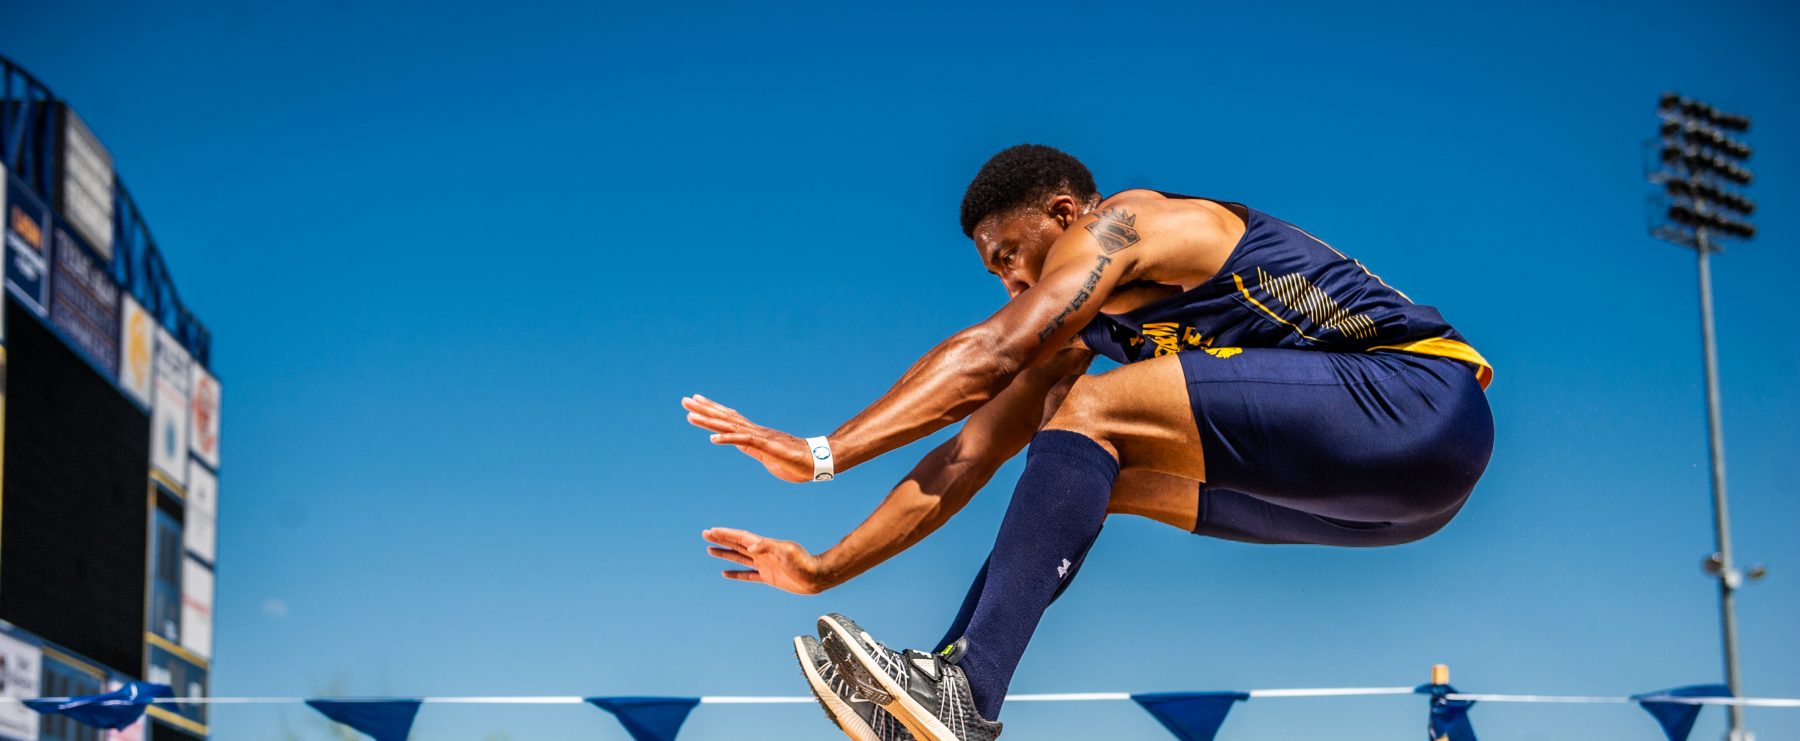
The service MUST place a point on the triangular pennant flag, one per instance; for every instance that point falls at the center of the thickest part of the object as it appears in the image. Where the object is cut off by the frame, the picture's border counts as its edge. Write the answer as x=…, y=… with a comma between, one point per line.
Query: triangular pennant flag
x=1449, y=718
x=1191, y=716
x=382, y=720
x=115, y=710
x=1677, y=718
x=648, y=718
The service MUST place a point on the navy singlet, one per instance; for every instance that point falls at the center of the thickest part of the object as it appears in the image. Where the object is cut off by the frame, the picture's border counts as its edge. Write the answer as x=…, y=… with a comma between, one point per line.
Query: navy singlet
x=1282, y=288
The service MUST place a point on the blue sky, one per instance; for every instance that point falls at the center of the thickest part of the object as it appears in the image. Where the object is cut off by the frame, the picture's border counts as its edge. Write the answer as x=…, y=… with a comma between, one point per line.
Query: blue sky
x=461, y=260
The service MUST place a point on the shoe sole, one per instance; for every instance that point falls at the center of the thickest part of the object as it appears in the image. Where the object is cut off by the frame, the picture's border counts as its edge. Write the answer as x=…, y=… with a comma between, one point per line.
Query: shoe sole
x=835, y=708
x=859, y=667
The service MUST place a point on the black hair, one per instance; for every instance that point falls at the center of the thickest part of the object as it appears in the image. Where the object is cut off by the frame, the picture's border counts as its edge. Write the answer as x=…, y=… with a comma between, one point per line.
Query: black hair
x=1019, y=175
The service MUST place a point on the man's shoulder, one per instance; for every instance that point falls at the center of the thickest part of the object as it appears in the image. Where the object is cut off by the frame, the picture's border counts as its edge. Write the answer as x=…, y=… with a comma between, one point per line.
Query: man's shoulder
x=1174, y=219
x=1133, y=197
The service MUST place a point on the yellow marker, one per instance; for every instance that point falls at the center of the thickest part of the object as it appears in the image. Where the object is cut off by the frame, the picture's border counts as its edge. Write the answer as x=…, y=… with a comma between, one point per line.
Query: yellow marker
x=1440, y=674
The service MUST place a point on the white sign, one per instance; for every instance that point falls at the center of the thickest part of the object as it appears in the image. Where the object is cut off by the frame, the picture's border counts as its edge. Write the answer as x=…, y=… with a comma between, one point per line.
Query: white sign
x=137, y=348
x=21, y=669
x=169, y=409
x=87, y=184
x=204, y=425
x=196, y=607
x=199, y=532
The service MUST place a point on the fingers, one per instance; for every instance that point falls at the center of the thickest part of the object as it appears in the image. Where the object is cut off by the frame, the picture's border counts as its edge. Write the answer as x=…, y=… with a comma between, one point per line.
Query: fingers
x=709, y=403
x=703, y=407
x=747, y=442
x=738, y=540
x=730, y=555
x=734, y=438
x=750, y=576
x=715, y=423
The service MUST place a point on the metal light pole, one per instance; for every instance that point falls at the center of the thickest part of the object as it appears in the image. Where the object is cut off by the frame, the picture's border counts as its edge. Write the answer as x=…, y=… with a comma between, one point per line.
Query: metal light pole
x=1701, y=163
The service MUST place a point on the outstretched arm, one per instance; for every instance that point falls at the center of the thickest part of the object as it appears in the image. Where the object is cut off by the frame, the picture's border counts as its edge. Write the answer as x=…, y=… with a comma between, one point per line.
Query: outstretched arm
x=935, y=490
x=963, y=372
x=950, y=475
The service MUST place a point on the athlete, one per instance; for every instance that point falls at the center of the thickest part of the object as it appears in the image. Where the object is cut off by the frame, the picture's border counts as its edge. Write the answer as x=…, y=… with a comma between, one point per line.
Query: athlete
x=1272, y=390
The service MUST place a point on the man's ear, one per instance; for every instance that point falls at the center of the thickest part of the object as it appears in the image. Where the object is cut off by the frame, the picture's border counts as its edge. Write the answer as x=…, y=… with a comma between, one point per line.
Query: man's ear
x=1064, y=210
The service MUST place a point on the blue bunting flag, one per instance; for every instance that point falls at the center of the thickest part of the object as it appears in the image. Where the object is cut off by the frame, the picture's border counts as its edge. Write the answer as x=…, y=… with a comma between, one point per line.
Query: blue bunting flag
x=1677, y=718
x=116, y=710
x=382, y=720
x=648, y=718
x=1191, y=716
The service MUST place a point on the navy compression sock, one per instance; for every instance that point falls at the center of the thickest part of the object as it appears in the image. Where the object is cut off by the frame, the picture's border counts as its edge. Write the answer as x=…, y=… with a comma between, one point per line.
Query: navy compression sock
x=1056, y=512
x=960, y=625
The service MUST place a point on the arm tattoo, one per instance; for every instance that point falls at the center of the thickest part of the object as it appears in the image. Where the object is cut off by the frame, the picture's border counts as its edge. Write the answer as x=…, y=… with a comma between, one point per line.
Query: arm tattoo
x=1116, y=229
x=1087, y=291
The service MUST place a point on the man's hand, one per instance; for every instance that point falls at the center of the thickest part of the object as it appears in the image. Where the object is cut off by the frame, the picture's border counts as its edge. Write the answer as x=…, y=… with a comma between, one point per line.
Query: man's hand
x=787, y=457
x=781, y=564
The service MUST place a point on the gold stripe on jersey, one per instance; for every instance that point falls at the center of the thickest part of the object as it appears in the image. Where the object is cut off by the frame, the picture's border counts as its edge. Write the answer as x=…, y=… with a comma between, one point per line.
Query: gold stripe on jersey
x=1301, y=295
x=1272, y=315
x=1443, y=347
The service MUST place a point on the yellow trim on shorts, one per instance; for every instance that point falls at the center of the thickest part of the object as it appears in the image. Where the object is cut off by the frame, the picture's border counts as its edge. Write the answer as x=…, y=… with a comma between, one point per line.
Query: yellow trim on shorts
x=1445, y=347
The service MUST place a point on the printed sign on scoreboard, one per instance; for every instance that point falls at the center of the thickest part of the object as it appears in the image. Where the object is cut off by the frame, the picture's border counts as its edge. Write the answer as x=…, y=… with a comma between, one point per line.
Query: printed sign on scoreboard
x=27, y=247
x=169, y=409
x=196, y=607
x=199, y=531
x=137, y=346
x=186, y=678
x=21, y=672
x=84, y=302
x=204, y=427
x=85, y=195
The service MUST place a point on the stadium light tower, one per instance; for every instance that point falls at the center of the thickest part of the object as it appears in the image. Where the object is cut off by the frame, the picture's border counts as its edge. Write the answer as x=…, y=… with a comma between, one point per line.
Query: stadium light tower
x=1701, y=172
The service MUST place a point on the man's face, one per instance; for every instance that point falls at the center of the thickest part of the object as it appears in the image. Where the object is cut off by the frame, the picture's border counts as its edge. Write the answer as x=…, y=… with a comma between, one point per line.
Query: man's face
x=1013, y=244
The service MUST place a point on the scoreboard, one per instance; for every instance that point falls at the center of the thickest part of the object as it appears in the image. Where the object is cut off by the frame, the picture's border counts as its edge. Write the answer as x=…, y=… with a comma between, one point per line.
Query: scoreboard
x=109, y=440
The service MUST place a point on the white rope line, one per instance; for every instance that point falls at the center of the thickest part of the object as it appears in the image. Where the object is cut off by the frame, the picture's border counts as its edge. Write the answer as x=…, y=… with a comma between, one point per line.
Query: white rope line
x=1071, y=697
x=1333, y=692
x=1534, y=698
x=1765, y=702
x=735, y=699
x=715, y=700
x=1758, y=702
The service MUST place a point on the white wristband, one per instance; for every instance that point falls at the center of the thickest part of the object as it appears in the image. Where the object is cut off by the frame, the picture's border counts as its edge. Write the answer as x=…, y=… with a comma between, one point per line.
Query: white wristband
x=824, y=466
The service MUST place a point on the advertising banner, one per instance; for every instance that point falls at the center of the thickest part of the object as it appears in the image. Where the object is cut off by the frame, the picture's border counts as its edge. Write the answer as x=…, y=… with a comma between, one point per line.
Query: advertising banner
x=169, y=409
x=137, y=345
x=199, y=532
x=204, y=426
x=27, y=247
x=21, y=670
x=84, y=302
x=196, y=607
x=85, y=195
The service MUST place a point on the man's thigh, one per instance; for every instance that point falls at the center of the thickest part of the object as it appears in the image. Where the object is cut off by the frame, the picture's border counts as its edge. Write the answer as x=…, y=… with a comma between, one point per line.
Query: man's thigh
x=1360, y=437
x=1141, y=414
x=1221, y=513
x=1347, y=436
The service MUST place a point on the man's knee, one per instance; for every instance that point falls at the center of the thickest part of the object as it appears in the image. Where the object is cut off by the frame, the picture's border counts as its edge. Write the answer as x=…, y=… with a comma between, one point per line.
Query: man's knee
x=1085, y=409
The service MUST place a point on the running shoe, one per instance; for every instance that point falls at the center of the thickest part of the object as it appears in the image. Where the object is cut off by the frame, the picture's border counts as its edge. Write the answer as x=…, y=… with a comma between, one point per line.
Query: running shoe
x=927, y=692
x=858, y=718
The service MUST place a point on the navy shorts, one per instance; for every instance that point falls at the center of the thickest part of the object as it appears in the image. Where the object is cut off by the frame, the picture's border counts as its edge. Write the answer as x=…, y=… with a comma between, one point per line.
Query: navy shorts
x=1349, y=449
